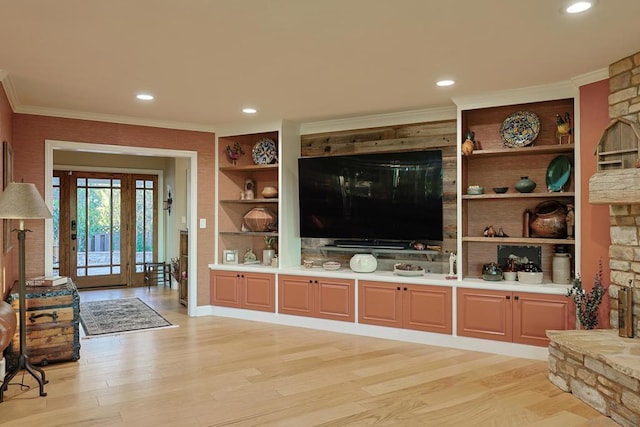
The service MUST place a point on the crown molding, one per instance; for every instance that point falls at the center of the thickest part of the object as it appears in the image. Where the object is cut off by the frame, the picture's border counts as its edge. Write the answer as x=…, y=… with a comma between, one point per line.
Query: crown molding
x=378, y=120
x=9, y=89
x=592, y=77
x=17, y=107
x=112, y=118
x=564, y=89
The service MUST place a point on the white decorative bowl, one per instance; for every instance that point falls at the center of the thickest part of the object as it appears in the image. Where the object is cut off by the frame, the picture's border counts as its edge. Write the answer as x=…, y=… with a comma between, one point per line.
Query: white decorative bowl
x=402, y=269
x=331, y=265
x=528, y=278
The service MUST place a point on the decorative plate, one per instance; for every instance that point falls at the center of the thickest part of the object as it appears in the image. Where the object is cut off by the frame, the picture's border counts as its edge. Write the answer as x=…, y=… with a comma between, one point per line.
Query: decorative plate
x=264, y=152
x=558, y=173
x=520, y=129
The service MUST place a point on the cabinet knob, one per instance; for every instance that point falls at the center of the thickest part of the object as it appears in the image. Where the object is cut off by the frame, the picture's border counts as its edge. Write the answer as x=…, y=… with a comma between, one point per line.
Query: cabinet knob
x=398, y=288
x=508, y=296
x=405, y=289
x=516, y=298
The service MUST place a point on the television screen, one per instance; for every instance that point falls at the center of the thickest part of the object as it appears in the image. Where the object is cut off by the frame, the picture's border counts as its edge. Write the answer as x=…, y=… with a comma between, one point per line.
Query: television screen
x=390, y=196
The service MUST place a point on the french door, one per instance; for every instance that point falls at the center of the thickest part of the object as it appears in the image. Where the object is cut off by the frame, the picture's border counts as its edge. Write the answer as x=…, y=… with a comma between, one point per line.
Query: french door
x=105, y=227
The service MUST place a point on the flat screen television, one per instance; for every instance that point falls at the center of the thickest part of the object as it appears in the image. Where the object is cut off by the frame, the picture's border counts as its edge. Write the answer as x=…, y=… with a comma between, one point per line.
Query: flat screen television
x=371, y=197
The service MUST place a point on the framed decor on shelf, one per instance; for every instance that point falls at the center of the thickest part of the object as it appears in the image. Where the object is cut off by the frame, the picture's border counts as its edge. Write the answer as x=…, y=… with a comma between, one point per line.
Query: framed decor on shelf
x=230, y=257
x=7, y=177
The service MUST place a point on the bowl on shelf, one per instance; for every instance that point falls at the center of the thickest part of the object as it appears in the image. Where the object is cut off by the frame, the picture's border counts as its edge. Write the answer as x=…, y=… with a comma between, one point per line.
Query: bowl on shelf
x=530, y=278
x=331, y=265
x=402, y=269
x=500, y=190
x=475, y=190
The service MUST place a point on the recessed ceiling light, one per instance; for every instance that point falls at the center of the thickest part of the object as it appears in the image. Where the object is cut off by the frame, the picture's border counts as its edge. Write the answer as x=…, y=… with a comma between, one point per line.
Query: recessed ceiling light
x=579, y=6
x=249, y=110
x=443, y=83
x=144, y=97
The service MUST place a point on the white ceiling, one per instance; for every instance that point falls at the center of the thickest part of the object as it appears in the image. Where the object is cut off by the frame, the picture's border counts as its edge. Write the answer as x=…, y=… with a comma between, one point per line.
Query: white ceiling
x=302, y=60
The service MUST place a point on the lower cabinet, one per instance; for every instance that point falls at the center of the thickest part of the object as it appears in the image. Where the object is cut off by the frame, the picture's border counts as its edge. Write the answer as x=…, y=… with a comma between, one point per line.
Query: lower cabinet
x=317, y=297
x=239, y=289
x=420, y=307
x=519, y=317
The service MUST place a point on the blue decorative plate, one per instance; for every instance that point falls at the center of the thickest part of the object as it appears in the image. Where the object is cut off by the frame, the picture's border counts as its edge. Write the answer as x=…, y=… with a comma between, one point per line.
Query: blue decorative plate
x=520, y=129
x=265, y=152
x=558, y=173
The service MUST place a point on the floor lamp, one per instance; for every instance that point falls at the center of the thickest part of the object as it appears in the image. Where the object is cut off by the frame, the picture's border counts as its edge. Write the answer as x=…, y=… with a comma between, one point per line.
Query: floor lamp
x=23, y=201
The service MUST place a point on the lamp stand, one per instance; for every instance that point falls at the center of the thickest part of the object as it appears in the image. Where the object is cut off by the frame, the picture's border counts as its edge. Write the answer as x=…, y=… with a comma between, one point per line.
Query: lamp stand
x=23, y=360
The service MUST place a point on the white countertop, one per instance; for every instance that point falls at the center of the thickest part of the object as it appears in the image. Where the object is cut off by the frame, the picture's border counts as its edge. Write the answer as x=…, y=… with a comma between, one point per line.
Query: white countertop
x=389, y=276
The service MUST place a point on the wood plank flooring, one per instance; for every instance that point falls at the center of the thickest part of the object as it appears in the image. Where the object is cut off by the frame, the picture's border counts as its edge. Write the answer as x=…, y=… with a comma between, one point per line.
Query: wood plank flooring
x=213, y=371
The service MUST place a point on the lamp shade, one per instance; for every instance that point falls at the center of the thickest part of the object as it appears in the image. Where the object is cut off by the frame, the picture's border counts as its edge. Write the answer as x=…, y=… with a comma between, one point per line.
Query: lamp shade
x=21, y=200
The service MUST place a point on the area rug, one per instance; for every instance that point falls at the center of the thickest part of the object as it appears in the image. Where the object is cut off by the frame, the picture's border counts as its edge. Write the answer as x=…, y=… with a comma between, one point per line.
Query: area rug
x=118, y=316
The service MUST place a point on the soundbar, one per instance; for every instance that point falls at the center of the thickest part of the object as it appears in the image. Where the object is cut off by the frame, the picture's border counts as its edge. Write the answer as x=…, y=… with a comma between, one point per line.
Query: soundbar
x=379, y=244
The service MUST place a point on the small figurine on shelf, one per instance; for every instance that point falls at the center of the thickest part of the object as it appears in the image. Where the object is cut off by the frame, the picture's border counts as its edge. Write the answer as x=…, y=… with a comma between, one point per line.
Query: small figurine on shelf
x=234, y=153
x=469, y=144
x=563, y=127
x=452, y=261
x=501, y=233
x=489, y=231
x=250, y=257
x=570, y=221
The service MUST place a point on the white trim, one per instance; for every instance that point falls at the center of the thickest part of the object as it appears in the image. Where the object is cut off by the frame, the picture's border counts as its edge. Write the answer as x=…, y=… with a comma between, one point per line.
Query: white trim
x=592, y=77
x=378, y=120
x=9, y=89
x=565, y=89
x=108, y=118
x=50, y=145
x=396, y=334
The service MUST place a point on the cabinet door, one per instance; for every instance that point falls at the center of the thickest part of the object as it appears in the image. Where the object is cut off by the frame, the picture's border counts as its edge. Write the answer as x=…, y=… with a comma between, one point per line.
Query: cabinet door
x=427, y=308
x=379, y=304
x=225, y=288
x=534, y=314
x=335, y=299
x=295, y=295
x=259, y=292
x=484, y=314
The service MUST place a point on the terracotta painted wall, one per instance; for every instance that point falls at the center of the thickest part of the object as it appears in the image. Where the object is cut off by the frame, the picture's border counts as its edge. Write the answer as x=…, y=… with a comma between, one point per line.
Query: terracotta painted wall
x=594, y=118
x=8, y=268
x=30, y=132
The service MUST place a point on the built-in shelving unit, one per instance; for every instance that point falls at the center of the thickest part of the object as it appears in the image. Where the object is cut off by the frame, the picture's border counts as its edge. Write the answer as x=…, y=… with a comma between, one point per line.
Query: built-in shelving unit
x=492, y=164
x=232, y=204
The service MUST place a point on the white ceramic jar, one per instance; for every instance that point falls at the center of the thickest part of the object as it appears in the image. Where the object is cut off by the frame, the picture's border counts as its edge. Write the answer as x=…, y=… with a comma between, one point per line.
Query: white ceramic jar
x=363, y=263
x=561, y=268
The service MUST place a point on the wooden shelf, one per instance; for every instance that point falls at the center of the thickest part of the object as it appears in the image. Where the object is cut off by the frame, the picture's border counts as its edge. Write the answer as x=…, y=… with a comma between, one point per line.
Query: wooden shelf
x=249, y=168
x=249, y=233
x=528, y=240
x=249, y=202
x=517, y=195
x=506, y=152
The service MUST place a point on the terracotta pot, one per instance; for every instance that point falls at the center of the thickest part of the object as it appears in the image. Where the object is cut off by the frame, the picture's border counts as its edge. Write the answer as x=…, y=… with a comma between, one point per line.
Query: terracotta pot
x=549, y=219
x=261, y=219
x=269, y=192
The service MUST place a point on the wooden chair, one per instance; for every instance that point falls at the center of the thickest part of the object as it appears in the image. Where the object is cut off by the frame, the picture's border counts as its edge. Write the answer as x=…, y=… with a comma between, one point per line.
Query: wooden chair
x=156, y=273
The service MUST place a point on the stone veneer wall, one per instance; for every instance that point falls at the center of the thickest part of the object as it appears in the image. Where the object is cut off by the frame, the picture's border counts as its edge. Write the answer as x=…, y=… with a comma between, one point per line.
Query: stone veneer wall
x=624, y=252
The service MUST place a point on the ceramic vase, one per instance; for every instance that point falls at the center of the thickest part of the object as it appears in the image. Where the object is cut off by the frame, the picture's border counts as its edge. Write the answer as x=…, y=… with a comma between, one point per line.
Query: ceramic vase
x=525, y=185
x=261, y=219
x=267, y=256
x=269, y=192
x=549, y=219
x=491, y=272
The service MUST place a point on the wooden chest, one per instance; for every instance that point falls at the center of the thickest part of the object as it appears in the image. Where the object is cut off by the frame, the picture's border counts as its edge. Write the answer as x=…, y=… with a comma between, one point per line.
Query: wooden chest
x=52, y=318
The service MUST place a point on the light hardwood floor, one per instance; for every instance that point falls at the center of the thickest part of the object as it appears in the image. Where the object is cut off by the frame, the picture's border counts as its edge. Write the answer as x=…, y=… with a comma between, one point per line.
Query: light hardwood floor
x=214, y=371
